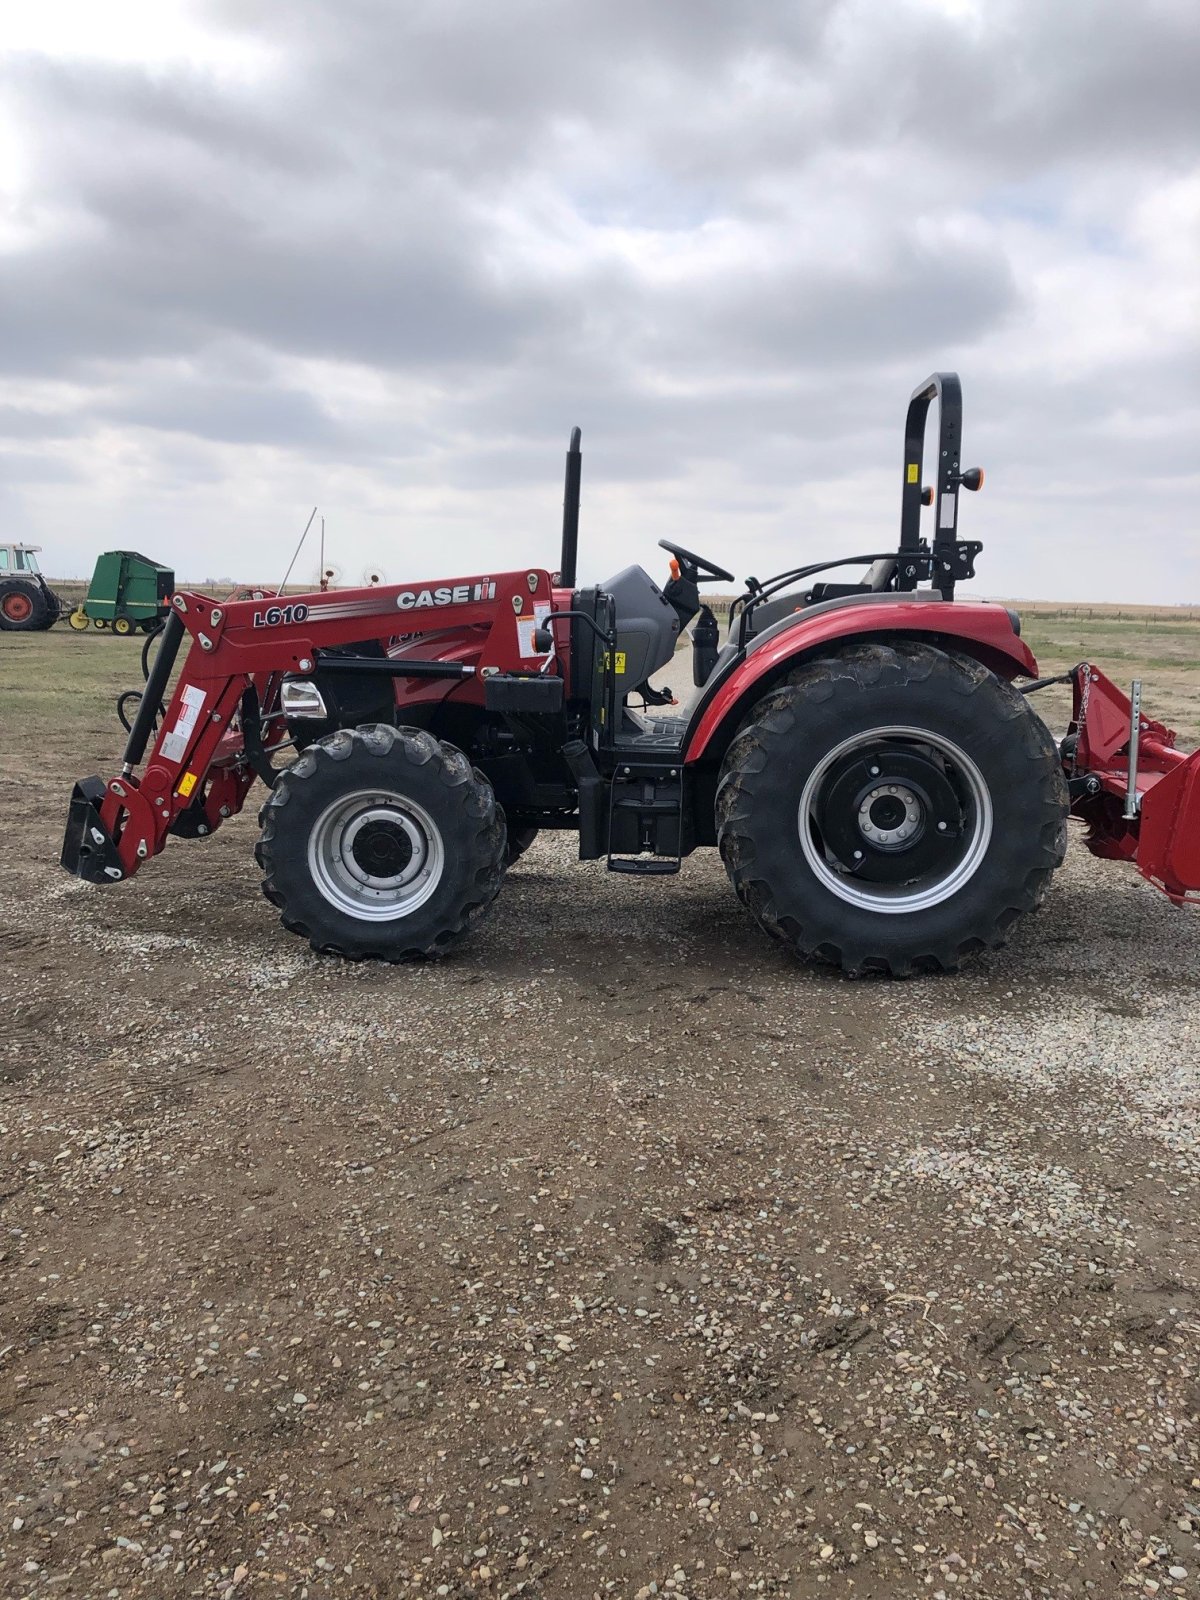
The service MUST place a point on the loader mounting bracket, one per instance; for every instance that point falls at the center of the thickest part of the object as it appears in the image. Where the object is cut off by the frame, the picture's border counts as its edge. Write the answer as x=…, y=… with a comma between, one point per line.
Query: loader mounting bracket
x=88, y=850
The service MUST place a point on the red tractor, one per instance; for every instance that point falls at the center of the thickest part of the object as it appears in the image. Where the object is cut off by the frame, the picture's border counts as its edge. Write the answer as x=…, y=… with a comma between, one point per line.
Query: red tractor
x=864, y=753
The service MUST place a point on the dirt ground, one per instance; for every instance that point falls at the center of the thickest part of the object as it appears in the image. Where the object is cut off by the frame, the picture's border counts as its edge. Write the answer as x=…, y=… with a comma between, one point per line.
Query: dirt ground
x=617, y=1254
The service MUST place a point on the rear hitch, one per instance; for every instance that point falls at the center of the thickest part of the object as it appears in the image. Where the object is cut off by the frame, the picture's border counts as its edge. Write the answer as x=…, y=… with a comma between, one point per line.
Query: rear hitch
x=88, y=851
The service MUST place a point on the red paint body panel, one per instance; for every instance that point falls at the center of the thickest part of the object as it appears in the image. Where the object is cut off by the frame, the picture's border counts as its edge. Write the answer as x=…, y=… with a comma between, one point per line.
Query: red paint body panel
x=1163, y=840
x=1169, y=831
x=979, y=629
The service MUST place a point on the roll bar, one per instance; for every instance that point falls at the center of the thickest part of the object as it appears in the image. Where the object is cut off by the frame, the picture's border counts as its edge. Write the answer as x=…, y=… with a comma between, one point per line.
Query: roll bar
x=946, y=389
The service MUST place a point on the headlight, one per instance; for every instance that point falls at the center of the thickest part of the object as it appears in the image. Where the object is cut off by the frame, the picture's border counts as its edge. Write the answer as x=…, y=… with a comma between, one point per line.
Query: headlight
x=300, y=697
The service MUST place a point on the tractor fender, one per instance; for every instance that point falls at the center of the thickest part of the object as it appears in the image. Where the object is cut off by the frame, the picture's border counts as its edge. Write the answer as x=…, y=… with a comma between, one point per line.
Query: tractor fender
x=976, y=628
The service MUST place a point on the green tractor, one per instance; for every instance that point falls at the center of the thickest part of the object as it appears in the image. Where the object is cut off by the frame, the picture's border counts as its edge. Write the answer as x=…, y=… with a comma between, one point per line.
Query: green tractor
x=27, y=602
x=128, y=591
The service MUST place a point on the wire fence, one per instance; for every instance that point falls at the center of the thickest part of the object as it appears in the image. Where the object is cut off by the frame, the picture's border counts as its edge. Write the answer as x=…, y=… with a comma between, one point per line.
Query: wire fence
x=1148, y=615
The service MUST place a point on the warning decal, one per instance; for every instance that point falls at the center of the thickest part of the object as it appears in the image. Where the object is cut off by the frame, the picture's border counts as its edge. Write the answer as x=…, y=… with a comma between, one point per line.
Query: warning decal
x=527, y=627
x=174, y=744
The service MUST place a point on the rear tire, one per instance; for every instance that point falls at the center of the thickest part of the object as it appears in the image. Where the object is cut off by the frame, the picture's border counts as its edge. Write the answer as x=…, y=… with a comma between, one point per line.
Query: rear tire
x=892, y=809
x=381, y=842
x=123, y=625
x=22, y=607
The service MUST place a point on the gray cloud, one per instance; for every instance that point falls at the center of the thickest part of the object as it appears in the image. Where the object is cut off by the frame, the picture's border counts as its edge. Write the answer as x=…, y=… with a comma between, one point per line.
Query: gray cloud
x=390, y=262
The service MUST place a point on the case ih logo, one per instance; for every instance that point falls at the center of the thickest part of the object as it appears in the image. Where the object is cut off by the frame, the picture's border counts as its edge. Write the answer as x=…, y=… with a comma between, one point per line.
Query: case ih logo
x=460, y=595
x=335, y=608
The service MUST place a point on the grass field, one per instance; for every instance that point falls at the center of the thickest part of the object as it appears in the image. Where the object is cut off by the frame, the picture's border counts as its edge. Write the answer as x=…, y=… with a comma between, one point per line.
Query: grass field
x=1160, y=645
x=1162, y=648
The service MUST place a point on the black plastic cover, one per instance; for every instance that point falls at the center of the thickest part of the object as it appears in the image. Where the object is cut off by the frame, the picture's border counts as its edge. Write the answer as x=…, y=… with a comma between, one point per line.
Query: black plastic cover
x=533, y=696
x=88, y=852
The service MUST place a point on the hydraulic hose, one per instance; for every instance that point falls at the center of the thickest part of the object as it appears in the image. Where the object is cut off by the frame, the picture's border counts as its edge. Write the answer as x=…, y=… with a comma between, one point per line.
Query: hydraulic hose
x=152, y=695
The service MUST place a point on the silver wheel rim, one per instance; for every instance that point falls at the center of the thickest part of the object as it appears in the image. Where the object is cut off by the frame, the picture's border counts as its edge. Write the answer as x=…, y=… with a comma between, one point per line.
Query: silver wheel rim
x=922, y=893
x=376, y=855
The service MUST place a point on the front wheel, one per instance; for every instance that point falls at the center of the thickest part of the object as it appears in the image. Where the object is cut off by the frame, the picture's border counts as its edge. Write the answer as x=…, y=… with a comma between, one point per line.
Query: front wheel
x=381, y=842
x=893, y=808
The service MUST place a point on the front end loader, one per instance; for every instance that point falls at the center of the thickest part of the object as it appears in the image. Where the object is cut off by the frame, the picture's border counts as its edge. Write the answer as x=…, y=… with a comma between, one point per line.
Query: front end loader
x=864, y=751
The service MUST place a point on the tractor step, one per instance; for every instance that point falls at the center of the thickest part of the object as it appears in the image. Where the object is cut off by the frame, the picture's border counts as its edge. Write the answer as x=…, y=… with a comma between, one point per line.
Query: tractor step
x=645, y=820
x=655, y=867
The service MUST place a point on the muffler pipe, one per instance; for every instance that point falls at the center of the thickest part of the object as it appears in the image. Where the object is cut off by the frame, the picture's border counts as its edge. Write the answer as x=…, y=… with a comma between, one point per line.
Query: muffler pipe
x=570, y=530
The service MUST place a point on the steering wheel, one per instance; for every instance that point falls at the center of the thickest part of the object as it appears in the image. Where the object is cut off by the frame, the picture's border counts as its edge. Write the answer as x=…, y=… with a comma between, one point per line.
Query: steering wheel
x=697, y=563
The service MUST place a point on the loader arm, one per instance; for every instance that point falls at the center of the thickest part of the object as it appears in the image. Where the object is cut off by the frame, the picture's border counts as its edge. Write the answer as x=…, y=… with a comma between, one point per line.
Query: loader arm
x=222, y=719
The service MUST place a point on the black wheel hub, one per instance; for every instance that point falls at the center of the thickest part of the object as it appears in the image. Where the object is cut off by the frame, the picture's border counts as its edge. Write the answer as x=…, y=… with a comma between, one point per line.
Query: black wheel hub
x=888, y=813
x=381, y=849
x=891, y=815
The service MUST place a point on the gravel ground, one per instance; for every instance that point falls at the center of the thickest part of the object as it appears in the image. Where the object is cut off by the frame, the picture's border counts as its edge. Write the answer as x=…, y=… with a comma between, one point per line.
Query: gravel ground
x=618, y=1254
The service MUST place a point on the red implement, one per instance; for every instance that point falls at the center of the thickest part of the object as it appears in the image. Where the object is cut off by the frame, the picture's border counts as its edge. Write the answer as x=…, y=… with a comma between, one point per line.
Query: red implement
x=1138, y=794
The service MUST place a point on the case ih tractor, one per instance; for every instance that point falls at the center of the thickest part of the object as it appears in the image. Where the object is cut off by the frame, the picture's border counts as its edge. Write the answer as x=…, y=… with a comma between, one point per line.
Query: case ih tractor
x=863, y=753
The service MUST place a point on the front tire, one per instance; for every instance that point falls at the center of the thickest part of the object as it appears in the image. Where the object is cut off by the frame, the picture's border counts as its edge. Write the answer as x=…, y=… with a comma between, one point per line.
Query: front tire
x=381, y=842
x=892, y=809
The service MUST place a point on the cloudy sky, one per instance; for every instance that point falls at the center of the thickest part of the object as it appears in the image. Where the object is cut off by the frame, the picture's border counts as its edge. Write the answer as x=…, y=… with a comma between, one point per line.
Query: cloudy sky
x=380, y=255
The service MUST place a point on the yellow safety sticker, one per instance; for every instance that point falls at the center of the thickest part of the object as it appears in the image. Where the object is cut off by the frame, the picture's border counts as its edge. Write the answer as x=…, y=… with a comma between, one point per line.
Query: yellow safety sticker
x=186, y=784
x=914, y=472
x=619, y=666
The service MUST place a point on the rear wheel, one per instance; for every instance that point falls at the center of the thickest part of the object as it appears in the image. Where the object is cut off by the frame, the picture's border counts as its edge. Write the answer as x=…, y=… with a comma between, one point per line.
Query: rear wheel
x=22, y=608
x=123, y=625
x=382, y=842
x=892, y=809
